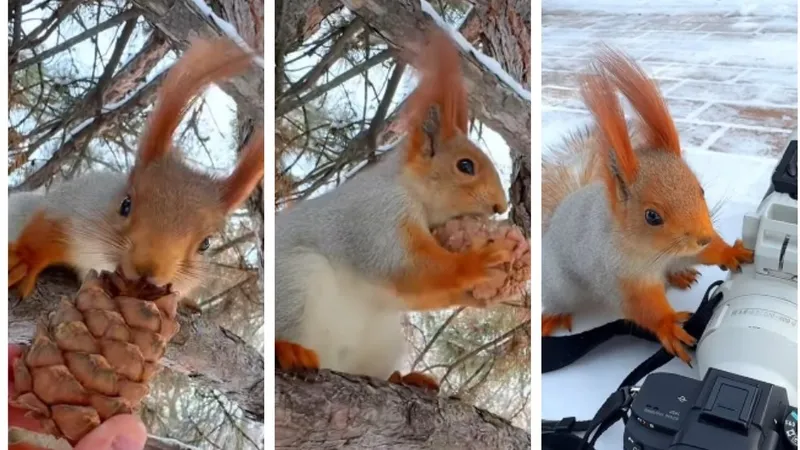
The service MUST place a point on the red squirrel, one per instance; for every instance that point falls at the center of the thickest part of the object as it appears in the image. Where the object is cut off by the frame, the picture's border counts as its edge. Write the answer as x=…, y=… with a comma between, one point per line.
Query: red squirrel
x=623, y=214
x=154, y=222
x=351, y=262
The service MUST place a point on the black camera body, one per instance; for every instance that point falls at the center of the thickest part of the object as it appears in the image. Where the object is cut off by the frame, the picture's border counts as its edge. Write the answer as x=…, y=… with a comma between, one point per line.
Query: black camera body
x=724, y=411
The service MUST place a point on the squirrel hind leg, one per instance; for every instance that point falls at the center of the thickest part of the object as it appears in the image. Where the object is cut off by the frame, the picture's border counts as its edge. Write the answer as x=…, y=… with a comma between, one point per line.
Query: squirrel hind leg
x=41, y=244
x=415, y=379
x=294, y=357
x=554, y=322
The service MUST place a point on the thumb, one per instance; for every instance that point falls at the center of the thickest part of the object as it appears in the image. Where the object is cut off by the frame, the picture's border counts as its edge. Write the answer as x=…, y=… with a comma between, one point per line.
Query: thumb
x=123, y=432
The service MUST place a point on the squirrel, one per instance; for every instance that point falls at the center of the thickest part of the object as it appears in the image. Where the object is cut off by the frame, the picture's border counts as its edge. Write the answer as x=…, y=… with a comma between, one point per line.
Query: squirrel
x=623, y=214
x=155, y=222
x=351, y=262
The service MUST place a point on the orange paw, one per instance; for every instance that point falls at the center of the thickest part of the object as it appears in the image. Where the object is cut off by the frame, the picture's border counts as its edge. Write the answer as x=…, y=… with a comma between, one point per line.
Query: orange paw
x=736, y=255
x=551, y=323
x=17, y=269
x=673, y=337
x=291, y=356
x=415, y=379
x=42, y=243
x=683, y=279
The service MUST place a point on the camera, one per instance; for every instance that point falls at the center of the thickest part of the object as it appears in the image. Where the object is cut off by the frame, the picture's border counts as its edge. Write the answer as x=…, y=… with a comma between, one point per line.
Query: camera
x=747, y=355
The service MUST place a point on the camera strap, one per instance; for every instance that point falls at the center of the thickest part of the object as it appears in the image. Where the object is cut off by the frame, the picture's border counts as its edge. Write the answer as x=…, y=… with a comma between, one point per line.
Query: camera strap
x=559, y=434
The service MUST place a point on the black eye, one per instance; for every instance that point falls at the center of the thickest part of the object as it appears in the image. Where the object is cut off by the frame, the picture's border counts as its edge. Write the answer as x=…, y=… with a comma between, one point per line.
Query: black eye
x=653, y=218
x=125, y=207
x=466, y=166
x=204, y=245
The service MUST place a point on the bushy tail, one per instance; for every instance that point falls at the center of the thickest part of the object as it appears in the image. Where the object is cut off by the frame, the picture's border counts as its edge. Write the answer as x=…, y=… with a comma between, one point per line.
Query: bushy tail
x=567, y=168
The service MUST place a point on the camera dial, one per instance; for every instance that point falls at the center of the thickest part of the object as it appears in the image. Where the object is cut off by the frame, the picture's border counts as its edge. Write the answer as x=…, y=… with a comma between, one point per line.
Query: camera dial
x=790, y=427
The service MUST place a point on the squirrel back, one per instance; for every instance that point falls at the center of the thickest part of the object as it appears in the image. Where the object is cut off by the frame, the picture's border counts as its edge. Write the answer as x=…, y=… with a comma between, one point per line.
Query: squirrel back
x=367, y=244
x=154, y=222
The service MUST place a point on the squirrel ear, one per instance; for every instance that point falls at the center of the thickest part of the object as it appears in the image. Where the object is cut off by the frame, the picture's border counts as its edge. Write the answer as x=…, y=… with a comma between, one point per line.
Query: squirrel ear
x=621, y=164
x=202, y=64
x=438, y=107
x=248, y=172
x=644, y=96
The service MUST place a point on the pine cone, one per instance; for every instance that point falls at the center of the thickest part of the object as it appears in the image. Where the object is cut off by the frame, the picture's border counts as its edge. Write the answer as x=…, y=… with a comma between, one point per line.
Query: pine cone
x=468, y=232
x=92, y=358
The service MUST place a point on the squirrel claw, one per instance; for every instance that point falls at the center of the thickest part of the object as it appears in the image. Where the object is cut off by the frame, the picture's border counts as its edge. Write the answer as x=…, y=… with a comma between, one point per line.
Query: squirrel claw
x=674, y=338
x=294, y=357
x=735, y=256
x=551, y=323
x=415, y=379
x=683, y=279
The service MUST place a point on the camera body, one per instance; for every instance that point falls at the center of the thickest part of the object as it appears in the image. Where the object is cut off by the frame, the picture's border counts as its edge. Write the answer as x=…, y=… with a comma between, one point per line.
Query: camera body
x=747, y=355
x=724, y=411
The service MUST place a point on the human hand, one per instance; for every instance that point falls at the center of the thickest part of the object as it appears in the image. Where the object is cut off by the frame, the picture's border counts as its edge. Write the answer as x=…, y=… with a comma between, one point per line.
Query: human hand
x=122, y=432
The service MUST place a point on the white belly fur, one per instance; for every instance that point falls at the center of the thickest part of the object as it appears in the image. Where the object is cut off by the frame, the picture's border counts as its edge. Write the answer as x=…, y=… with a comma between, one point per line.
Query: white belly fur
x=353, y=324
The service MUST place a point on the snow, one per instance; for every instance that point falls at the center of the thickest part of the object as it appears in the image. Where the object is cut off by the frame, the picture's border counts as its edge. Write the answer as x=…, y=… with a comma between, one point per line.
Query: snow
x=491, y=64
x=229, y=30
x=728, y=69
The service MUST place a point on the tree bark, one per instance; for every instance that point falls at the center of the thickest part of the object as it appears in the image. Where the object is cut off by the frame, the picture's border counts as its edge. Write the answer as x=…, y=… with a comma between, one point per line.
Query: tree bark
x=208, y=354
x=402, y=24
x=505, y=32
x=180, y=20
x=329, y=410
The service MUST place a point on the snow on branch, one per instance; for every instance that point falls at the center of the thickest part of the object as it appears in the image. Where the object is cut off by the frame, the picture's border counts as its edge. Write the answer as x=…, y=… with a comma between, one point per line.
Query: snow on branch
x=228, y=29
x=489, y=63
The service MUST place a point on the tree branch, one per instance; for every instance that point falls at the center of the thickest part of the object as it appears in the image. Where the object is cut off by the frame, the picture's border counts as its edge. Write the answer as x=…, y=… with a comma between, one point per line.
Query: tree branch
x=501, y=108
x=181, y=20
x=329, y=410
x=56, y=49
x=208, y=354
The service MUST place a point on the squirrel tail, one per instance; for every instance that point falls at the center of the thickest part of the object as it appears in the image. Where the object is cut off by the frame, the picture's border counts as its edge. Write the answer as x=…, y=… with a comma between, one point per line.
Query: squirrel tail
x=205, y=62
x=441, y=86
x=567, y=168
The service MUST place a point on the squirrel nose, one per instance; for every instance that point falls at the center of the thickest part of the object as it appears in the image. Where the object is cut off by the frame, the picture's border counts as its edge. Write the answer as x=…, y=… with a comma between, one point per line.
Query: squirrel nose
x=704, y=241
x=145, y=270
x=500, y=208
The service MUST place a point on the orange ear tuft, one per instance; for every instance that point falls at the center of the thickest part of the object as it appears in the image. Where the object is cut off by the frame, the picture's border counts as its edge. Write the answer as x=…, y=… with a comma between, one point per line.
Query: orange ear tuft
x=601, y=99
x=249, y=171
x=644, y=96
x=441, y=86
x=203, y=63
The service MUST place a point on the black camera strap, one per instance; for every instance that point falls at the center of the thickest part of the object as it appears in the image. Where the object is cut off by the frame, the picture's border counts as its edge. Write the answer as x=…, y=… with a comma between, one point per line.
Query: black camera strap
x=559, y=434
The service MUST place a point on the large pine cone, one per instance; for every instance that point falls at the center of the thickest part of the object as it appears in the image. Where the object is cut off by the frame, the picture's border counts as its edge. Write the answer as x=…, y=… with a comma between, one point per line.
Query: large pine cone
x=92, y=358
x=463, y=233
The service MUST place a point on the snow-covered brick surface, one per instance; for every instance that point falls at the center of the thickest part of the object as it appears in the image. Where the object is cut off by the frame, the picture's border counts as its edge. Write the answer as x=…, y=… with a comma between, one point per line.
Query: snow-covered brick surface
x=728, y=69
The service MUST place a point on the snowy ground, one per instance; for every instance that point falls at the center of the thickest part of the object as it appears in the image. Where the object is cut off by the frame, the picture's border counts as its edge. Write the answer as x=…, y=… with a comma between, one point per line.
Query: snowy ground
x=729, y=72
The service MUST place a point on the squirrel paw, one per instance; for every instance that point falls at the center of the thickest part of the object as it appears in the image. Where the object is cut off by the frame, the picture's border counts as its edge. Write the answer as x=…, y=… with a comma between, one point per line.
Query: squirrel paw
x=683, y=279
x=551, y=323
x=415, y=379
x=673, y=337
x=736, y=255
x=482, y=264
x=19, y=273
x=293, y=357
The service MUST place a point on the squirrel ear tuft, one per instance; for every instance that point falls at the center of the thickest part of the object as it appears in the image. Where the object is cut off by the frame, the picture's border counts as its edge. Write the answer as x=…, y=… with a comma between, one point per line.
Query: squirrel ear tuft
x=439, y=105
x=645, y=97
x=204, y=62
x=621, y=164
x=247, y=174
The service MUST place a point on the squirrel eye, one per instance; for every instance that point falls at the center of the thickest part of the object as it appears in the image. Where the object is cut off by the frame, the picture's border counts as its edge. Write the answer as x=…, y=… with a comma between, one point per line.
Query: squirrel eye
x=466, y=166
x=125, y=207
x=204, y=245
x=653, y=218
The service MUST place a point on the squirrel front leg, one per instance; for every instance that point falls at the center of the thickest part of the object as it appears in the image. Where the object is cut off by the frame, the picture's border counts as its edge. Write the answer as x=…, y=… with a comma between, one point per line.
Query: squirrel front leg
x=437, y=278
x=41, y=244
x=646, y=304
x=727, y=257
